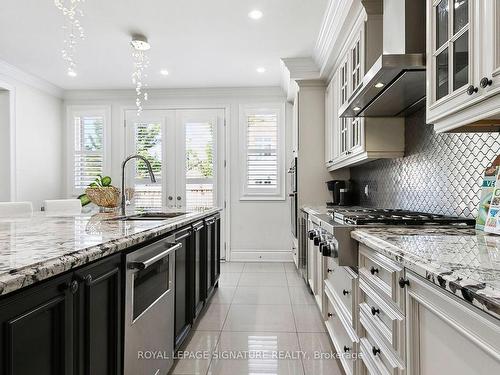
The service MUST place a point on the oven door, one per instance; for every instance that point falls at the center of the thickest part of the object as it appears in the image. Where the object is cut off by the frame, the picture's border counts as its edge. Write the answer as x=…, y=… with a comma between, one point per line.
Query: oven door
x=149, y=308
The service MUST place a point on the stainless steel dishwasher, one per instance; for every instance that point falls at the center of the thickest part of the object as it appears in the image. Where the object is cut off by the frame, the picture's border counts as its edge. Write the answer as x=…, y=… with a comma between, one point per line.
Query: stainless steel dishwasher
x=149, y=308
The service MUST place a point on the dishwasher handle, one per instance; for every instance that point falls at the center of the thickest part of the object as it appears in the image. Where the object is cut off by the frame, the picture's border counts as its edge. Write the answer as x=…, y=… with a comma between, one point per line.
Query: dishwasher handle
x=143, y=264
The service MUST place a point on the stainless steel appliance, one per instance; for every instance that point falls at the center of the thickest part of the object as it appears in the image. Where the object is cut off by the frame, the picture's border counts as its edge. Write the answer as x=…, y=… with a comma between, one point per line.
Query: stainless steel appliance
x=395, y=85
x=341, y=221
x=149, y=308
x=292, y=172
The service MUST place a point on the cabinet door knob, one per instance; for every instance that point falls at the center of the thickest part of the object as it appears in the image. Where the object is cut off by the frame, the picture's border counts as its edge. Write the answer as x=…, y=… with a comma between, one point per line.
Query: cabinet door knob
x=471, y=90
x=345, y=292
x=73, y=287
x=375, y=350
x=373, y=270
x=485, y=82
x=330, y=315
x=346, y=349
x=88, y=279
x=375, y=311
x=403, y=282
x=329, y=270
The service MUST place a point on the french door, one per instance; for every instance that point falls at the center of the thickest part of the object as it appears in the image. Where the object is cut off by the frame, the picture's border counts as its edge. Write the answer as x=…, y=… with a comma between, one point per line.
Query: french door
x=182, y=147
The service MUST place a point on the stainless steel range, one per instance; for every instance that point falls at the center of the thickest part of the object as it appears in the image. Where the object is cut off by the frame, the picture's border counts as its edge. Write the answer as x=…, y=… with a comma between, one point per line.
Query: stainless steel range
x=330, y=234
x=336, y=227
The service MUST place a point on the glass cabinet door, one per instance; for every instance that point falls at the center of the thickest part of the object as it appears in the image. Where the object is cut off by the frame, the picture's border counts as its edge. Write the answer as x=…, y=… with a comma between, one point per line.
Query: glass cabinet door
x=344, y=93
x=451, y=48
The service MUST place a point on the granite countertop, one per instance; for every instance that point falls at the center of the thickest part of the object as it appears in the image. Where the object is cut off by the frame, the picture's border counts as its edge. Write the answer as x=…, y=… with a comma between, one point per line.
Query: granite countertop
x=464, y=262
x=36, y=248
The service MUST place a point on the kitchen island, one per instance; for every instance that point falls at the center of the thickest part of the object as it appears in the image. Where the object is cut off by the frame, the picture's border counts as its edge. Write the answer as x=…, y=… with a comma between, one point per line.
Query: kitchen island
x=86, y=294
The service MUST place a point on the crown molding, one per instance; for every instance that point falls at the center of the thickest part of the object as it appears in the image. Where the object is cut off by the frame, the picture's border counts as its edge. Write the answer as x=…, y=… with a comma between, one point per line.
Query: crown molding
x=339, y=18
x=125, y=94
x=297, y=69
x=10, y=72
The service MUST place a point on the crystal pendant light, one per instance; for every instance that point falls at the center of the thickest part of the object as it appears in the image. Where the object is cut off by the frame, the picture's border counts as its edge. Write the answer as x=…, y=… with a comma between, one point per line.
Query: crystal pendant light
x=140, y=45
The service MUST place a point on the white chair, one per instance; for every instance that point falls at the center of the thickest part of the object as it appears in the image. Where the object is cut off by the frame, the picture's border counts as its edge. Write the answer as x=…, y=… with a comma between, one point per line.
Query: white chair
x=63, y=206
x=16, y=209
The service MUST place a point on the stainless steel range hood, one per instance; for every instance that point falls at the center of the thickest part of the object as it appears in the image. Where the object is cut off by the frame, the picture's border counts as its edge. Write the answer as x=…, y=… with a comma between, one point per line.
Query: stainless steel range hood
x=395, y=85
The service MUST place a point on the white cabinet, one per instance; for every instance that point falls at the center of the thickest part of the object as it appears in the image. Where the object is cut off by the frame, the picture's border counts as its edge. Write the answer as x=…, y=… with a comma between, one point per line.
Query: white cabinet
x=359, y=140
x=329, y=110
x=463, y=64
x=447, y=336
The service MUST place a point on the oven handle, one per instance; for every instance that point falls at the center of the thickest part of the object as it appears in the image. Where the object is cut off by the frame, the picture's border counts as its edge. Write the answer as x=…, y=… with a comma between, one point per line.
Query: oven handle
x=141, y=265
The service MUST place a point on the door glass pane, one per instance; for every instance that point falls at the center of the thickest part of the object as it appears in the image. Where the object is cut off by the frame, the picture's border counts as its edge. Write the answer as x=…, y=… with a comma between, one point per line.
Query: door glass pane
x=148, y=143
x=441, y=23
x=460, y=14
x=461, y=61
x=442, y=74
x=199, y=165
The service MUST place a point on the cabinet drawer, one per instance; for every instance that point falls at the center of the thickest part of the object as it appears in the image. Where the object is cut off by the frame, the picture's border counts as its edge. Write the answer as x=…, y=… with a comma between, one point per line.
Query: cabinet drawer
x=389, y=322
x=343, y=282
x=379, y=355
x=382, y=273
x=343, y=336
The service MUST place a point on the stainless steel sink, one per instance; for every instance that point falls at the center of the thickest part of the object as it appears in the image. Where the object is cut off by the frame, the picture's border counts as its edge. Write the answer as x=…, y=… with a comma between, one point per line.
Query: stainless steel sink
x=149, y=216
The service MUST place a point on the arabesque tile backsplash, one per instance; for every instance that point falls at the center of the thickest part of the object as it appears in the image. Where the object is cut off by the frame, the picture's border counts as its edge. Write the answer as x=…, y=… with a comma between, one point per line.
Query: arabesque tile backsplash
x=440, y=173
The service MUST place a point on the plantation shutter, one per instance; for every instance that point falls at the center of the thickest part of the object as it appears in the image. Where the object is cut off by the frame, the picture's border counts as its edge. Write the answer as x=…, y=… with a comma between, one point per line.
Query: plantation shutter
x=148, y=143
x=262, y=152
x=88, y=151
x=199, y=165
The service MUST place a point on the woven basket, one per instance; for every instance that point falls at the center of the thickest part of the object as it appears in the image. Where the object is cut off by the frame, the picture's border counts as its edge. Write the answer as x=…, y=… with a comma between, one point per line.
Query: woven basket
x=108, y=197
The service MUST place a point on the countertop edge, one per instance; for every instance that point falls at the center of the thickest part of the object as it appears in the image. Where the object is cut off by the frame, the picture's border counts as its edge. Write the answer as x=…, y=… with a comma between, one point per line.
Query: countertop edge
x=38, y=272
x=466, y=289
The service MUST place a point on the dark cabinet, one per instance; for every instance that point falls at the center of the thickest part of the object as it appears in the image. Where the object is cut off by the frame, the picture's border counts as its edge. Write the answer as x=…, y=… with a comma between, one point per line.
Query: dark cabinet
x=70, y=325
x=184, y=283
x=36, y=329
x=199, y=249
x=212, y=241
x=98, y=323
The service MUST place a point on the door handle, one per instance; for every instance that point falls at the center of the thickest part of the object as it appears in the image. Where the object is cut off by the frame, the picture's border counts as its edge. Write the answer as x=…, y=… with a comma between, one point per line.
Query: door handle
x=141, y=265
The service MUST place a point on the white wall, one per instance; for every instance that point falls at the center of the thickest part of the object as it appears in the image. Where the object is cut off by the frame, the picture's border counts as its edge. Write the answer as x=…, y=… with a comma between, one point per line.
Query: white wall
x=262, y=226
x=37, y=136
x=4, y=145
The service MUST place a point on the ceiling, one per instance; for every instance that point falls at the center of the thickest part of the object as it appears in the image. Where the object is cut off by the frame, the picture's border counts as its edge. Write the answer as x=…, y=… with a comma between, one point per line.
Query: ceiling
x=202, y=43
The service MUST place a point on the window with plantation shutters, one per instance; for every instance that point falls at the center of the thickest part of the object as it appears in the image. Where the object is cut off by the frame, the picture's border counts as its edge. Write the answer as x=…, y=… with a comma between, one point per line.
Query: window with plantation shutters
x=148, y=143
x=262, y=134
x=199, y=165
x=87, y=147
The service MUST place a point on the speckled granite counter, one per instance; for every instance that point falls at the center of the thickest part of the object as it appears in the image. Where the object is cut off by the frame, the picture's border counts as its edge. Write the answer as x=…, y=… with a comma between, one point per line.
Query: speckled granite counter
x=36, y=248
x=461, y=261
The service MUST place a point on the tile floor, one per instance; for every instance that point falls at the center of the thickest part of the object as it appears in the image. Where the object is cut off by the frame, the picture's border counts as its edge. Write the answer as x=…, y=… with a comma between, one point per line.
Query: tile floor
x=262, y=320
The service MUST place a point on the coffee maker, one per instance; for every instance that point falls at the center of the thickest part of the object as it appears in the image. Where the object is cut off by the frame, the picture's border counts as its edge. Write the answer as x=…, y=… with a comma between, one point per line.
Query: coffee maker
x=341, y=193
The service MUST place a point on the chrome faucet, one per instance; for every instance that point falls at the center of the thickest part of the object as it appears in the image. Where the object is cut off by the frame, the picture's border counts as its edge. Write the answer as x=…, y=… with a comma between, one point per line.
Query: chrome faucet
x=151, y=176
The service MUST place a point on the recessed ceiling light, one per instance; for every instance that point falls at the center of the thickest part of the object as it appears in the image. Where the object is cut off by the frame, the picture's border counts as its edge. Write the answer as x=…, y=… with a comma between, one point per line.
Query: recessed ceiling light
x=356, y=108
x=261, y=70
x=379, y=85
x=164, y=72
x=72, y=73
x=140, y=42
x=255, y=14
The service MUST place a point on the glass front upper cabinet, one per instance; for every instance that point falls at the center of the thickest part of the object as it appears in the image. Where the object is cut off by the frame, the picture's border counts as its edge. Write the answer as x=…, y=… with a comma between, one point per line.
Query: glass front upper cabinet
x=451, y=47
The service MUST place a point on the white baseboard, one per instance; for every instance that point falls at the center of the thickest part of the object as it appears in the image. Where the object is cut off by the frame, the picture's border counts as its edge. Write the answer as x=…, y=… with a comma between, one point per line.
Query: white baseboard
x=261, y=255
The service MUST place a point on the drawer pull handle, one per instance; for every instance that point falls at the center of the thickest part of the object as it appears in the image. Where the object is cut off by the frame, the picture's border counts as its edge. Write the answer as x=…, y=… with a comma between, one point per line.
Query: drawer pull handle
x=373, y=270
x=346, y=349
x=330, y=315
x=375, y=350
x=345, y=292
x=375, y=311
x=403, y=282
x=329, y=270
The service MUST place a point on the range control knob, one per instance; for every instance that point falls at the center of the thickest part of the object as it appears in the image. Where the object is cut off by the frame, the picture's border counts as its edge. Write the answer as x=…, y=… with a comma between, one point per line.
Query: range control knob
x=311, y=234
x=316, y=240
